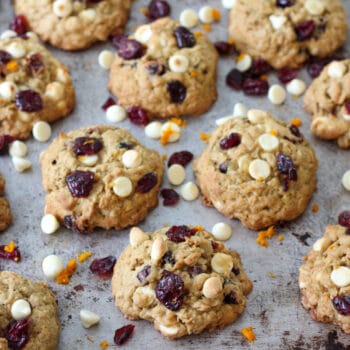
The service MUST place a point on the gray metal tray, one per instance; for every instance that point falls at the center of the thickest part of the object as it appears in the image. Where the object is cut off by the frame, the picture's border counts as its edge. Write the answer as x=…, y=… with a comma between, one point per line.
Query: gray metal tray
x=274, y=308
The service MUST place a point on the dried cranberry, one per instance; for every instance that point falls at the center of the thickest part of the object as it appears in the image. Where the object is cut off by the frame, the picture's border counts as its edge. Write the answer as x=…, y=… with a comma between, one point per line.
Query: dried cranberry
x=4, y=57
x=123, y=334
x=285, y=3
x=15, y=255
x=103, y=267
x=255, y=86
x=230, y=141
x=182, y=158
x=170, y=290
x=223, y=168
x=295, y=131
x=170, y=197
x=138, y=115
x=155, y=68
x=146, y=183
x=304, y=30
x=178, y=234
x=109, y=102
x=168, y=258
x=234, y=79
x=69, y=222
x=126, y=145
x=342, y=304
x=128, y=49
x=285, y=75
x=158, y=9
x=195, y=270
x=35, y=63
x=5, y=141
x=215, y=245
x=29, y=101
x=259, y=67
x=347, y=106
x=315, y=69
x=236, y=271
x=231, y=298
x=143, y=274
x=184, y=37
x=80, y=183
x=87, y=146
x=19, y=24
x=16, y=334
x=344, y=218
x=287, y=168
x=224, y=48
x=177, y=91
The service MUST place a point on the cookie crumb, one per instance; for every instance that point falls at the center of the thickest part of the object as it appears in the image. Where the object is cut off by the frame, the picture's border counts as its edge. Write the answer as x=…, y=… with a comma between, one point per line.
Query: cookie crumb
x=84, y=256
x=104, y=344
x=248, y=333
x=264, y=235
x=315, y=208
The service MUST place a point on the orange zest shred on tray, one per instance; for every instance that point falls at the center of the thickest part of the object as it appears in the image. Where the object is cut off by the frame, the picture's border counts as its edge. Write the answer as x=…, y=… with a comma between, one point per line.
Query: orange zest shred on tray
x=84, y=256
x=10, y=247
x=64, y=276
x=166, y=134
x=204, y=137
x=104, y=344
x=144, y=11
x=263, y=236
x=248, y=333
x=280, y=238
x=216, y=15
x=315, y=208
x=164, y=157
x=296, y=122
x=179, y=122
x=206, y=27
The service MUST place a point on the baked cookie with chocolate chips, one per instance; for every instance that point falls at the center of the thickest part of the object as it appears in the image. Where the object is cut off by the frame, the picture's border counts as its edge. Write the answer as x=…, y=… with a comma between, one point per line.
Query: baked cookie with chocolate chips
x=33, y=86
x=100, y=176
x=164, y=69
x=324, y=279
x=74, y=24
x=258, y=170
x=286, y=33
x=28, y=314
x=5, y=212
x=328, y=100
x=180, y=279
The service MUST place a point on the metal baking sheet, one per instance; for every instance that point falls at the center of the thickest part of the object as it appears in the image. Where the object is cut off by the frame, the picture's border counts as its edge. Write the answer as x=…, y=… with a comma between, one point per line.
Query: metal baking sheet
x=274, y=308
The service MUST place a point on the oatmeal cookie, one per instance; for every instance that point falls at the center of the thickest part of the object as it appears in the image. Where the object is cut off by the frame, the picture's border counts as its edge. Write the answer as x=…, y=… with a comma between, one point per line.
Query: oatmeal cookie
x=324, y=279
x=328, y=100
x=5, y=212
x=29, y=309
x=33, y=86
x=100, y=176
x=74, y=25
x=287, y=33
x=180, y=279
x=166, y=70
x=258, y=170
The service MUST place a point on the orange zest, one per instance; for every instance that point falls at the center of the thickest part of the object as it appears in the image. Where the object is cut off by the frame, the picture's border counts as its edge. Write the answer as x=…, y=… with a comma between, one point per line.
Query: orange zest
x=230, y=41
x=199, y=228
x=198, y=34
x=104, y=344
x=144, y=11
x=315, y=208
x=64, y=276
x=164, y=157
x=10, y=247
x=240, y=57
x=248, y=333
x=12, y=66
x=179, y=122
x=193, y=74
x=204, y=137
x=264, y=77
x=263, y=236
x=84, y=256
x=296, y=122
x=273, y=132
x=280, y=238
x=216, y=15
x=206, y=27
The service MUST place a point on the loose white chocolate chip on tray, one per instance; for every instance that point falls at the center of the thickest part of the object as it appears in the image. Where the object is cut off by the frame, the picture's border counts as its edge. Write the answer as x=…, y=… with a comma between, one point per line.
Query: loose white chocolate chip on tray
x=222, y=231
x=137, y=236
x=188, y=18
x=52, y=265
x=49, y=224
x=88, y=318
x=42, y=131
x=18, y=149
x=189, y=191
x=176, y=174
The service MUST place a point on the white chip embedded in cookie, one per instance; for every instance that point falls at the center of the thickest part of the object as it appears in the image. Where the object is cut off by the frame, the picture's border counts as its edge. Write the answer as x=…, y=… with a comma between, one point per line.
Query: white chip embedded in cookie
x=5, y=212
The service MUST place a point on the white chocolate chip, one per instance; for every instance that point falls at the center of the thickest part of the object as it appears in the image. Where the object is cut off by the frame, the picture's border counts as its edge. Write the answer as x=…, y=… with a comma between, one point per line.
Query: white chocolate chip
x=55, y=90
x=346, y=180
x=158, y=249
x=32, y=36
x=137, y=236
x=302, y=285
x=20, y=309
x=189, y=191
x=89, y=160
x=228, y=4
x=243, y=163
x=256, y=116
x=122, y=186
x=277, y=94
x=116, y=113
x=78, y=6
x=18, y=149
x=88, y=318
x=240, y=110
x=259, y=169
x=319, y=245
x=173, y=129
x=206, y=14
x=176, y=174
x=223, y=120
x=143, y=34
x=52, y=265
x=21, y=164
x=346, y=117
x=341, y=276
x=25, y=117
x=8, y=34
x=296, y=87
x=178, y=63
x=277, y=21
x=212, y=287
x=62, y=76
x=42, y=131
x=315, y=7
x=336, y=69
x=49, y=224
x=62, y=8
x=222, y=263
x=222, y=231
x=132, y=158
x=268, y=142
x=8, y=90
x=16, y=50
x=244, y=62
x=105, y=59
x=153, y=130
x=188, y=18
x=88, y=14
x=168, y=330
x=144, y=296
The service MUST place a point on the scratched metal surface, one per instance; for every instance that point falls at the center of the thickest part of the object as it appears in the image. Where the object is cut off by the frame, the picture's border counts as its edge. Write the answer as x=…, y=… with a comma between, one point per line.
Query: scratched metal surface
x=274, y=308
